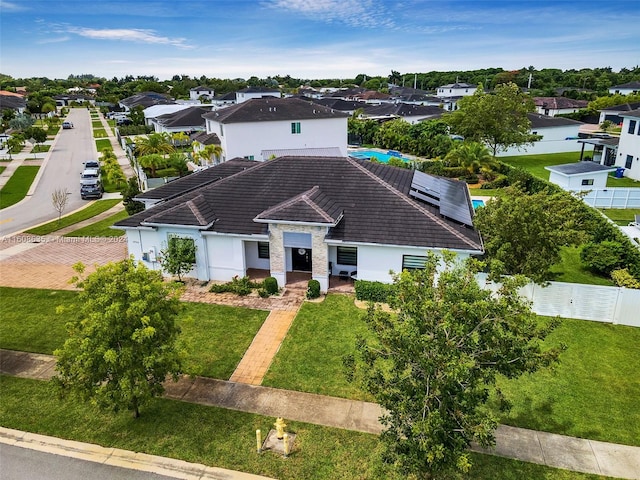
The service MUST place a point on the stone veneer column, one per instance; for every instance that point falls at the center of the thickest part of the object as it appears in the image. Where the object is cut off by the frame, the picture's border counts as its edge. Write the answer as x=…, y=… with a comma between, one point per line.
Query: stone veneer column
x=319, y=251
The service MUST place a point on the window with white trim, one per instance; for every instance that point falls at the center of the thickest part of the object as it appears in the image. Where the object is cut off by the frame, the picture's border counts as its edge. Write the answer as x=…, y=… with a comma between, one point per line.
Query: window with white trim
x=413, y=262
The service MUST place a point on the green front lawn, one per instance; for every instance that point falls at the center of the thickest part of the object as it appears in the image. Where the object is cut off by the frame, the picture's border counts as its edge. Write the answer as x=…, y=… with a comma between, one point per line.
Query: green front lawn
x=593, y=393
x=226, y=439
x=216, y=336
x=2, y=169
x=92, y=210
x=18, y=185
x=99, y=133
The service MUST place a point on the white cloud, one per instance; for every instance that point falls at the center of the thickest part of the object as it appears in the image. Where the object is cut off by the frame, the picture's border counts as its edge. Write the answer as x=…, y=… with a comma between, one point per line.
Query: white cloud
x=8, y=7
x=65, y=38
x=137, y=35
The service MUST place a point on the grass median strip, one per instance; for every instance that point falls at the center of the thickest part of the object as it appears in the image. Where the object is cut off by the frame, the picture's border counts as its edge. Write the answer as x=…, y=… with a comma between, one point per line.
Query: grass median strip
x=18, y=185
x=101, y=228
x=225, y=438
x=90, y=211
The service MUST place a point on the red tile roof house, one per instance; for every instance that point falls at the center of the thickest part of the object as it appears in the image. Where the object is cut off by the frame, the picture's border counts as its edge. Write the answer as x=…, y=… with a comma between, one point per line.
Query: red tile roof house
x=321, y=215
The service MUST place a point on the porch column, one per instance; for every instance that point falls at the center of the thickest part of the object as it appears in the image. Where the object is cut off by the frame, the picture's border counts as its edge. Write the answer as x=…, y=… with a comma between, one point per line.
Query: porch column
x=320, y=258
x=277, y=258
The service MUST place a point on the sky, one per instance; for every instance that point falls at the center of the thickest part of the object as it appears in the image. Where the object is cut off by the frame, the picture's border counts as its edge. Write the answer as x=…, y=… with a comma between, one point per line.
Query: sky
x=311, y=39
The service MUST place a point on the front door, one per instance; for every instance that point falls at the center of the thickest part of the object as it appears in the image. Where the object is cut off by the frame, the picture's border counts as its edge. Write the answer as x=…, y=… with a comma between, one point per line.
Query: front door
x=301, y=259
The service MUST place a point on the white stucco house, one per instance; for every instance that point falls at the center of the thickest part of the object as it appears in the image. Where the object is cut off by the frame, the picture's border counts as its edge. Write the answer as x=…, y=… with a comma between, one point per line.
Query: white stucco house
x=580, y=175
x=249, y=128
x=552, y=106
x=629, y=145
x=625, y=88
x=326, y=216
x=458, y=89
x=558, y=135
x=200, y=92
x=250, y=93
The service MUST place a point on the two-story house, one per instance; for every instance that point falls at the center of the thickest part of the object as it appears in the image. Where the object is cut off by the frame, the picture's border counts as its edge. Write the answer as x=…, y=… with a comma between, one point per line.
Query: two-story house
x=629, y=145
x=256, y=128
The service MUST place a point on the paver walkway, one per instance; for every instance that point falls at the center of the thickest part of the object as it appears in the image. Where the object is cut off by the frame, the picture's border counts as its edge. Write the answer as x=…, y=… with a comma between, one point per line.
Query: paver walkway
x=549, y=449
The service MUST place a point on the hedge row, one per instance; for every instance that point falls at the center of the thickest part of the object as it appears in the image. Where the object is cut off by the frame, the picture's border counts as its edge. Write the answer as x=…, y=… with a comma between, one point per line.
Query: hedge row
x=374, y=291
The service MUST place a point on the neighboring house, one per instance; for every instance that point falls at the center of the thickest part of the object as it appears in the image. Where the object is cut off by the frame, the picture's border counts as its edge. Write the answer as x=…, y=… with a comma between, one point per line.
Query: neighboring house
x=325, y=216
x=614, y=113
x=145, y=99
x=187, y=120
x=408, y=112
x=153, y=112
x=199, y=140
x=625, y=88
x=223, y=100
x=558, y=135
x=580, y=175
x=457, y=89
x=201, y=92
x=413, y=96
x=552, y=106
x=250, y=93
x=68, y=99
x=248, y=128
x=629, y=146
x=12, y=101
x=605, y=150
x=346, y=106
x=372, y=97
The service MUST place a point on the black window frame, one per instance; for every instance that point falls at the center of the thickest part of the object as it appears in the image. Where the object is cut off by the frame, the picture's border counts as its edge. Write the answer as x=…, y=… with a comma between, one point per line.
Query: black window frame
x=632, y=127
x=347, y=256
x=587, y=181
x=628, y=162
x=261, y=250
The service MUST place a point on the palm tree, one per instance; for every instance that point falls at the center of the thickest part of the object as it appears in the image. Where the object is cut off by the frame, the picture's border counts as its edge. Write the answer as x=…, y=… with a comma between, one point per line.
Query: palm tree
x=179, y=138
x=152, y=162
x=473, y=156
x=156, y=143
x=205, y=154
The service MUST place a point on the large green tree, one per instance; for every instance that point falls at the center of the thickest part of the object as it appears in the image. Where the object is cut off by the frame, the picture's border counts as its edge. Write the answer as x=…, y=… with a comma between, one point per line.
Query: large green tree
x=123, y=338
x=432, y=361
x=523, y=233
x=497, y=119
x=472, y=156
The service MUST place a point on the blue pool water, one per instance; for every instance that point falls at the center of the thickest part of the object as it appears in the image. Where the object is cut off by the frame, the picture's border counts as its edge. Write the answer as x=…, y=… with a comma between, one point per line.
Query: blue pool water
x=382, y=157
x=477, y=203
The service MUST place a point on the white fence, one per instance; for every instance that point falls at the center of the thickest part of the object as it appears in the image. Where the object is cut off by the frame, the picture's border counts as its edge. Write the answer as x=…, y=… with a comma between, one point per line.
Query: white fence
x=617, y=197
x=615, y=305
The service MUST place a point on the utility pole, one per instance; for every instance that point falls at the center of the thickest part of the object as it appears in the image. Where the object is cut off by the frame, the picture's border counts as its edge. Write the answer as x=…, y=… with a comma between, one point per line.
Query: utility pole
x=530, y=79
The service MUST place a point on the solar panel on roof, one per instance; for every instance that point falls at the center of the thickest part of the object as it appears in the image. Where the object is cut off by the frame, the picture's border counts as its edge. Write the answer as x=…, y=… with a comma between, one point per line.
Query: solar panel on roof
x=448, y=195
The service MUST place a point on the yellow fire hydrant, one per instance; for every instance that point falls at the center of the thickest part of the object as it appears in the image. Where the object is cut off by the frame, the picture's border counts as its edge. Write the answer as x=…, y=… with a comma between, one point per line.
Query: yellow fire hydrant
x=280, y=426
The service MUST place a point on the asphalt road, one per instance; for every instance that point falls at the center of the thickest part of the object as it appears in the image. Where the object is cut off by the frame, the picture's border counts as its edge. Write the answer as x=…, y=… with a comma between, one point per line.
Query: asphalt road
x=62, y=170
x=18, y=463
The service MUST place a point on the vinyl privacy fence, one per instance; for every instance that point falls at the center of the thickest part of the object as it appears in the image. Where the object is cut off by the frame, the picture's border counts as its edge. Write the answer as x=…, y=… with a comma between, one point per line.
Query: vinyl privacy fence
x=615, y=305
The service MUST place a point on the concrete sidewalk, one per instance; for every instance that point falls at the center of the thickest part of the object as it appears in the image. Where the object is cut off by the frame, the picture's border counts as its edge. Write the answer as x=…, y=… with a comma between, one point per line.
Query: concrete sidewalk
x=549, y=449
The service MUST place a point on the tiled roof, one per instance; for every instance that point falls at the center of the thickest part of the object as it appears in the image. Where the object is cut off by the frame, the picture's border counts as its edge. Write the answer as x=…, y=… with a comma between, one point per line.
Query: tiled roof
x=189, y=117
x=272, y=109
x=373, y=199
x=540, y=121
x=259, y=90
x=13, y=102
x=632, y=113
x=403, y=110
x=634, y=84
x=146, y=99
x=205, y=138
x=197, y=180
x=625, y=107
x=302, y=152
x=555, y=103
x=340, y=104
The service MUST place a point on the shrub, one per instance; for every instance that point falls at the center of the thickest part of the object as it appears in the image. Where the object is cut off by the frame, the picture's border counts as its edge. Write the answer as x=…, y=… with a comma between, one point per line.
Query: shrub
x=270, y=285
x=623, y=278
x=313, y=289
x=240, y=286
x=471, y=179
x=500, y=181
x=435, y=167
x=603, y=257
x=374, y=291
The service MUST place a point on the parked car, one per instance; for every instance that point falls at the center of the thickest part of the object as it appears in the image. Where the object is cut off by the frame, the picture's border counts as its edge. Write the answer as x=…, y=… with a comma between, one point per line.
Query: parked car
x=91, y=188
x=92, y=164
x=124, y=121
x=90, y=173
x=67, y=125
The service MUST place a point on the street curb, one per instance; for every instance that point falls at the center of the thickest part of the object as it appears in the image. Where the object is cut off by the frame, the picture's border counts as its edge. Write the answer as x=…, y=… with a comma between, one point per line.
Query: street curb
x=120, y=458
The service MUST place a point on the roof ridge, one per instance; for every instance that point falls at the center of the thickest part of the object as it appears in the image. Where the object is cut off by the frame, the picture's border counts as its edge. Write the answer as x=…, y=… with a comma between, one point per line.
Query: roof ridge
x=415, y=205
x=195, y=210
x=305, y=197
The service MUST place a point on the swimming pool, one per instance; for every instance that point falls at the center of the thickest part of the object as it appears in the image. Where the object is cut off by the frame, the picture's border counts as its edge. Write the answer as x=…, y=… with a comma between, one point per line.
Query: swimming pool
x=477, y=203
x=381, y=157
